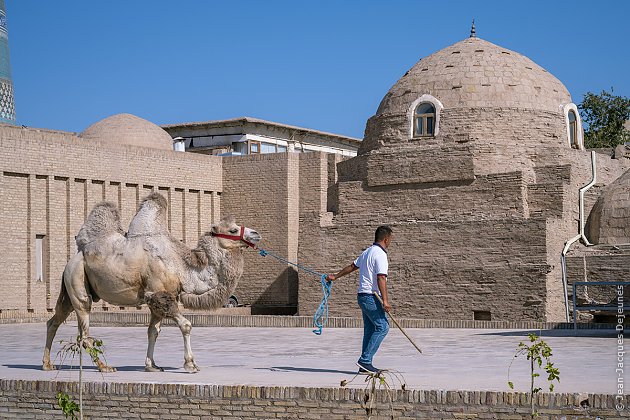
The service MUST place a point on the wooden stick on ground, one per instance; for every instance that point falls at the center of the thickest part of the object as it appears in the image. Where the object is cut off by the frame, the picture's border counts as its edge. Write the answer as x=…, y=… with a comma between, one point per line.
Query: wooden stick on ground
x=398, y=325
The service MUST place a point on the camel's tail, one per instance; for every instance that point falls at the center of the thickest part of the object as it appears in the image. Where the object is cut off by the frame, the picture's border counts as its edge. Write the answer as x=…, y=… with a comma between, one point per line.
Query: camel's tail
x=63, y=301
x=103, y=219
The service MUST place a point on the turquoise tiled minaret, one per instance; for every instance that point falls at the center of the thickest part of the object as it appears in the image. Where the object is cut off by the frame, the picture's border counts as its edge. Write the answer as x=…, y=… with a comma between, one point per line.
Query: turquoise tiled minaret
x=7, y=108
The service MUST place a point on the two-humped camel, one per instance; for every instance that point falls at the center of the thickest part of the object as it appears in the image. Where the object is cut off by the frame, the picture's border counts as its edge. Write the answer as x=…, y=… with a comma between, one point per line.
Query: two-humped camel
x=148, y=265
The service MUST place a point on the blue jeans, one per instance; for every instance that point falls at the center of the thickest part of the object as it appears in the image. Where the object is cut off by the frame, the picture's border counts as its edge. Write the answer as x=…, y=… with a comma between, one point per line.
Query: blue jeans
x=375, y=326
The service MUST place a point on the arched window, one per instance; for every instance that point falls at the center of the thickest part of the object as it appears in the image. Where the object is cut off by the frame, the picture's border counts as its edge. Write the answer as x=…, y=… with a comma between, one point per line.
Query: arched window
x=424, y=120
x=573, y=130
x=575, y=135
x=423, y=115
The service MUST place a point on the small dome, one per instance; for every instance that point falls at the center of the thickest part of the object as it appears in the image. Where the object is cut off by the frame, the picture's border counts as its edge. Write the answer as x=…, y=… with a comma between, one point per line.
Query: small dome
x=476, y=73
x=609, y=221
x=129, y=129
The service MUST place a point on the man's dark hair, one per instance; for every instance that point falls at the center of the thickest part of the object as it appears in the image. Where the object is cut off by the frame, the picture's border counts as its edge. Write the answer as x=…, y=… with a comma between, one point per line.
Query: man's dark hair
x=382, y=232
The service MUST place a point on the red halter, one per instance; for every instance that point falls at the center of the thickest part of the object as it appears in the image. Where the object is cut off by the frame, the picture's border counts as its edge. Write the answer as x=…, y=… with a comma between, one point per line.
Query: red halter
x=240, y=237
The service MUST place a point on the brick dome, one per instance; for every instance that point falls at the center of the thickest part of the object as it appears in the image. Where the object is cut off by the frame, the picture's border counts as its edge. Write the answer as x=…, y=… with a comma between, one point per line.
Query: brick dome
x=609, y=220
x=130, y=130
x=475, y=73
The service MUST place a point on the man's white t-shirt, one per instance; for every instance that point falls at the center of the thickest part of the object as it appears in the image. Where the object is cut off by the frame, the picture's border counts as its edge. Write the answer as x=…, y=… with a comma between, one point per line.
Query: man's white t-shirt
x=371, y=263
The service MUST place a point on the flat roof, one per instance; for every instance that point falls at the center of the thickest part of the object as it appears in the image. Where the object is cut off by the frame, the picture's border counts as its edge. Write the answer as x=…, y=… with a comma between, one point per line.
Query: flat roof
x=256, y=121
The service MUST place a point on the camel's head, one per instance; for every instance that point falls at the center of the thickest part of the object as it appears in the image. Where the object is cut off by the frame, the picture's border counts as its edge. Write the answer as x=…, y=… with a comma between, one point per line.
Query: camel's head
x=231, y=236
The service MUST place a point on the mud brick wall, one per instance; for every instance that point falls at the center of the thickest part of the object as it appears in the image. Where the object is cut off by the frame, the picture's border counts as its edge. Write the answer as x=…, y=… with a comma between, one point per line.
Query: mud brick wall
x=555, y=173
x=270, y=193
x=488, y=197
x=459, y=248
x=262, y=192
x=495, y=265
x=545, y=200
x=458, y=125
x=314, y=181
x=37, y=400
x=434, y=164
x=49, y=182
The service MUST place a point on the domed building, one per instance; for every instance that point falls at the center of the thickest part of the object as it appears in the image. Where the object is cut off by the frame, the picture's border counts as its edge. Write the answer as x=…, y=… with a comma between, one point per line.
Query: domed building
x=434, y=99
x=474, y=157
x=471, y=96
x=127, y=129
x=609, y=220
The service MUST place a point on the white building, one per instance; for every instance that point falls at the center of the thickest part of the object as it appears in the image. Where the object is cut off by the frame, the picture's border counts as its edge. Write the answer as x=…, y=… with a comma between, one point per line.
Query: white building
x=247, y=135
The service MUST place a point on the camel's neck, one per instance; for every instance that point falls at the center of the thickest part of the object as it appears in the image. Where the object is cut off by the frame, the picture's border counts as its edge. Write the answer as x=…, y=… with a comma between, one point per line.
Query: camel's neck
x=231, y=269
x=224, y=270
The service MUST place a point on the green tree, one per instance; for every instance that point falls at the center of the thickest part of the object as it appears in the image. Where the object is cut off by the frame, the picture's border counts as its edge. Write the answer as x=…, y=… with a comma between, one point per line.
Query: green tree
x=537, y=352
x=604, y=116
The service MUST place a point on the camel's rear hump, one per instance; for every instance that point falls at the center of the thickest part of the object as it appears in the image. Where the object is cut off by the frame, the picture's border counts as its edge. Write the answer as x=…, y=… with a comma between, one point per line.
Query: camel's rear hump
x=151, y=216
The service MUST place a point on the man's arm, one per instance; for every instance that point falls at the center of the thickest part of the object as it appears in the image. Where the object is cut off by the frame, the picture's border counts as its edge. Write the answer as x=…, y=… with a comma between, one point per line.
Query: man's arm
x=346, y=270
x=382, y=286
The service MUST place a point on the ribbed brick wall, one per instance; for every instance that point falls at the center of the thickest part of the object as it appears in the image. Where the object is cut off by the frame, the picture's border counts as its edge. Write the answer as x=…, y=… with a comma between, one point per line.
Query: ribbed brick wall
x=50, y=180
x=36, y=399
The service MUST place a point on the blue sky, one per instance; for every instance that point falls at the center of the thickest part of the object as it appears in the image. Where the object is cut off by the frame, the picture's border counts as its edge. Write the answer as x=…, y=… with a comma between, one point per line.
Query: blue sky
x=320, y=64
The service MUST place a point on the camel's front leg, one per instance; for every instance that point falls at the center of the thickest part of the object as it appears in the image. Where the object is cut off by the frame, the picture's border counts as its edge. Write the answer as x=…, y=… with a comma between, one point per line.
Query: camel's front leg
x=153, y=332
x=185, y=327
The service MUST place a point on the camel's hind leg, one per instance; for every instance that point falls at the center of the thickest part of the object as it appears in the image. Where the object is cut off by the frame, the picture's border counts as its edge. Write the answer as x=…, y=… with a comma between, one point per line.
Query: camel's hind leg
x=76, y=285
x=62, y=310
x=153, y=332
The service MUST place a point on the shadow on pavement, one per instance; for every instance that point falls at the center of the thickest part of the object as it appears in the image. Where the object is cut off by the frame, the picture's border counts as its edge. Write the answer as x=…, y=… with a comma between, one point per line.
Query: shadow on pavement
x=87, y=368
x=308, y=370
x=39, y=367
x=557, y=333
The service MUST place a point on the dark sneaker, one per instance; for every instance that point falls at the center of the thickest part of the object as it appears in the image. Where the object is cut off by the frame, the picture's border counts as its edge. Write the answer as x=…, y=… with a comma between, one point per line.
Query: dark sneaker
x=367, y=369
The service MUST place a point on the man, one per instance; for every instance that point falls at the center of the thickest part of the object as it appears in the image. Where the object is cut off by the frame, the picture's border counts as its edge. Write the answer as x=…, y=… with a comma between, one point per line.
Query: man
x=372, y=265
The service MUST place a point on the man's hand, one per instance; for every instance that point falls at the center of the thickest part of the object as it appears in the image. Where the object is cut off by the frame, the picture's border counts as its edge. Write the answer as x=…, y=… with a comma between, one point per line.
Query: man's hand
x=346, y=270
x=382, y=286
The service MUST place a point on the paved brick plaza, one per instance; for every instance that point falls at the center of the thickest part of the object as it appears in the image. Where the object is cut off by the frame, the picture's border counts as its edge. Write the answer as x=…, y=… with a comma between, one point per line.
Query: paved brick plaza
x=453, y=359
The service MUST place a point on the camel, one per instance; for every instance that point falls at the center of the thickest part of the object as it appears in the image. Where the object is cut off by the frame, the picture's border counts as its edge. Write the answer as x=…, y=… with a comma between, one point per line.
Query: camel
x=147, y=265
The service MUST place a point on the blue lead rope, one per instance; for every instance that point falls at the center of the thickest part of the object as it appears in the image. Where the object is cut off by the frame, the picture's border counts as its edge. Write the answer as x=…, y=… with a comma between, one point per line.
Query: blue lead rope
x=321, y=315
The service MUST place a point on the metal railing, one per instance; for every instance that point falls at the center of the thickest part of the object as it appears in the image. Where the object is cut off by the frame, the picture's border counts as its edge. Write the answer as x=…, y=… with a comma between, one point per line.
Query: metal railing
x=607, y=307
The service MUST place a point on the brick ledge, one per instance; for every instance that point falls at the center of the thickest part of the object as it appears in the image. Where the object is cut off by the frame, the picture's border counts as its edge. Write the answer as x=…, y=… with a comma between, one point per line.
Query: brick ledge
x=141, y=318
